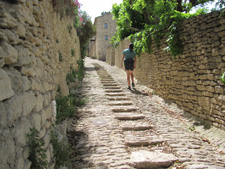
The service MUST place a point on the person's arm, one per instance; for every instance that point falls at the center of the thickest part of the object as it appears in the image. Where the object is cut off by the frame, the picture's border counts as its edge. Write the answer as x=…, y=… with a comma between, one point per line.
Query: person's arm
x=122, y=60
x=134, y=61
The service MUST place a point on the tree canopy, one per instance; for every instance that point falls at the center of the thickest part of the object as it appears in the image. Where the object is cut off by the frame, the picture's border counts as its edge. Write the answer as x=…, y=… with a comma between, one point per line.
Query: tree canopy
x=146, y=20
x=85, y=31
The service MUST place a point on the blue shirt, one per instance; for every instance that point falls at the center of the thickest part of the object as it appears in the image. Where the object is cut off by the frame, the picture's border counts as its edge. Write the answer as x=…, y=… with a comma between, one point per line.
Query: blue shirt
x=128, y=54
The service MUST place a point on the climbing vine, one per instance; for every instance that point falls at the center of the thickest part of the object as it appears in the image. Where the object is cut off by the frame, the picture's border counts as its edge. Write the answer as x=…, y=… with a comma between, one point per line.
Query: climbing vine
x=145, y=22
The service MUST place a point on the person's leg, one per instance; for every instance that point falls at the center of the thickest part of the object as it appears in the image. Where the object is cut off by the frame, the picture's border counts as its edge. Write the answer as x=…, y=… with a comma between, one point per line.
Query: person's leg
x=132, y=78
x=128, y=78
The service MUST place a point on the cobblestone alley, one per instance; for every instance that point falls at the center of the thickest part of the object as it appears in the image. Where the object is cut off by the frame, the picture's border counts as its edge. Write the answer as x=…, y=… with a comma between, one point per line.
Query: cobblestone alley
x=119, y=128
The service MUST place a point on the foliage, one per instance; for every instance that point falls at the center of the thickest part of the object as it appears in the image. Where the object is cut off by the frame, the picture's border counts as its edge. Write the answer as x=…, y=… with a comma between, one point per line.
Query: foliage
x=69, y=28
x=223, y=77
x=72, y=52
x=85, y=31
x=64, y=107
x=68, y=8
x=37, y=152
x=62, y=150
x=145, y=22
x=104, y=13
x=221, y=5
x=76, y=73
x=60, y=56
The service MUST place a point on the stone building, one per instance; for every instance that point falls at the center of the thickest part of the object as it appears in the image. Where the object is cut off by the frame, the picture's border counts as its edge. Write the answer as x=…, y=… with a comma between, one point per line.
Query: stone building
x=105, y=29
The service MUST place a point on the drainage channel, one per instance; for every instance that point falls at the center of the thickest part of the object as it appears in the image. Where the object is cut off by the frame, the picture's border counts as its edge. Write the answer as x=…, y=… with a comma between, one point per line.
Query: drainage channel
x=145, y=147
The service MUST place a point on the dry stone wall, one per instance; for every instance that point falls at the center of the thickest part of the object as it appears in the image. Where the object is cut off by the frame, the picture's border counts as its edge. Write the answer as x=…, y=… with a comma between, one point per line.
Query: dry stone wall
x=191, y=80
x=35, y=56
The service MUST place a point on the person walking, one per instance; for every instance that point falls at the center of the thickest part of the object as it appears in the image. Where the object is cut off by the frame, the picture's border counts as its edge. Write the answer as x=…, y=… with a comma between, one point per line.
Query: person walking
x=129, y=60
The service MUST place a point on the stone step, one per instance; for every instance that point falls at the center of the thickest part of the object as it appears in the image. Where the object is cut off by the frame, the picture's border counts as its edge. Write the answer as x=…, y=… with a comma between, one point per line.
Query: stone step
x=108, y=80
x=113, y=90
x=111, y=87
x=124, y=109
x=118, y=98
x=136, y=126
x=115, y=94
x=140, y=143
x=110, y=84
x=150, y=160
x=120, y=103
x=129, y=116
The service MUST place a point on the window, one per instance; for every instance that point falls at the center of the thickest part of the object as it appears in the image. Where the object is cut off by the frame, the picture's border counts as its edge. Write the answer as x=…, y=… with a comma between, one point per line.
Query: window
x=106, y=37
x=106, y=25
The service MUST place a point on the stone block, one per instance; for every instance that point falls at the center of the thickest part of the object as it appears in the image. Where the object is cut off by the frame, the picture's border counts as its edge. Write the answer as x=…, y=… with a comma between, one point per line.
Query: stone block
x=49, y=111
x=36, y=85
x=28, y=102
x=210, y=89
x=5, y=86
x=24, y=56
x=13, y=38
x=28, y=71
x=40, y=102
x=2, y=52
x=2, y=62
x=204, y=102
x=8, y=22
x=20, y=30
x=36, y=121
x=26, y=83
x=7, y=149
x=150, y=160
x=219, y=90
x=11, y=54
x=3, y=116
x=200, y=87
x=20, y=132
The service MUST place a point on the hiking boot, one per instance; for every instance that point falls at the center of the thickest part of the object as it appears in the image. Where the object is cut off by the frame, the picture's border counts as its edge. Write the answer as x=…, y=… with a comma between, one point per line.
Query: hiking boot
x=133, y=84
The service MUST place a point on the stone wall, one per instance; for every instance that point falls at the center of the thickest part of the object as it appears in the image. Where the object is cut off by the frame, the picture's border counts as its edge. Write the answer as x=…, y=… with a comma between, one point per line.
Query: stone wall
x=32, y=38
x=191, y=80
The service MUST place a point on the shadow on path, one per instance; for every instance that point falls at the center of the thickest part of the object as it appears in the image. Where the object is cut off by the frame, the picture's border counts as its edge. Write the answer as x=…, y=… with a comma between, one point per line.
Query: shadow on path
x=90, y=69
x=135, y=91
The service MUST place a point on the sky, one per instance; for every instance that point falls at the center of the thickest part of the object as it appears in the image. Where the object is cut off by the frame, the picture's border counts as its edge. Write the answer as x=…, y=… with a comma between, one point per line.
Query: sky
x=94, y=8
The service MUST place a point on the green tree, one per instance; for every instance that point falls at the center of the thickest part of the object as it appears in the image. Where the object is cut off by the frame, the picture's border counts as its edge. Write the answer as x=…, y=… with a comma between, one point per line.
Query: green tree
x=85, y=31
x=104, y=13
x=146, y=20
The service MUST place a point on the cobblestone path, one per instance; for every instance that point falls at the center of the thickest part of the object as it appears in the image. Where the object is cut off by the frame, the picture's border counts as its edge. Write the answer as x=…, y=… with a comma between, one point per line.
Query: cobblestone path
x=119, y=128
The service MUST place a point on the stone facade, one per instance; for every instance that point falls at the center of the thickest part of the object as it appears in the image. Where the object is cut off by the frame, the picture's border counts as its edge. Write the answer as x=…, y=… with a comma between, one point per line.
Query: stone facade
x=35, y=56
x=105, y=29
x=191, y=80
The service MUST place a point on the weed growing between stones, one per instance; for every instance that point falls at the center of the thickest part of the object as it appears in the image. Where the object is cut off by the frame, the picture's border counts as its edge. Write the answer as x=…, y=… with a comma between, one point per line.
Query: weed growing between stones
x=223, y=77
x=76, y=74
x=65, y=108
x=66, y=105
x=62, y=150
x=72, y=52
x=37, y=152
x=60, y=57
